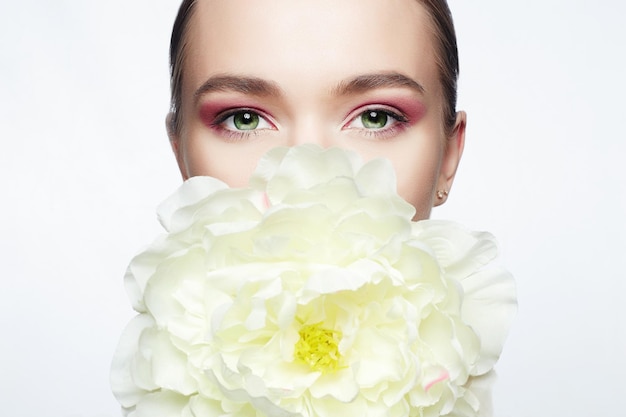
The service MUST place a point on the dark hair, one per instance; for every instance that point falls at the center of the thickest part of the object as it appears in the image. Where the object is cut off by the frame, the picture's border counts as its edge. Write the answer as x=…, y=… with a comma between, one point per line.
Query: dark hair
x=447, y=55
x=443, y=28
x=178, y=48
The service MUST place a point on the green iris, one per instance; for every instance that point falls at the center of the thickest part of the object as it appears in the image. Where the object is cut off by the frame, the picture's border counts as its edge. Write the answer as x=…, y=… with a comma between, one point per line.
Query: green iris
x=246, y=120
x=374, y=119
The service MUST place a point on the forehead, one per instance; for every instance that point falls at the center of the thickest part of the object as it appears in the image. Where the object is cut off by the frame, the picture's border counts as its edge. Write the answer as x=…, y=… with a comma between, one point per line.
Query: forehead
x=309, y=42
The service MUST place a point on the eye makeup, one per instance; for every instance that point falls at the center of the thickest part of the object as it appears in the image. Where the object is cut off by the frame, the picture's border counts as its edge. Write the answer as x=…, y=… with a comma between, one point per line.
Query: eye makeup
x=376, y=121
x=398, y=114
x=378, y=115
x=234, y=119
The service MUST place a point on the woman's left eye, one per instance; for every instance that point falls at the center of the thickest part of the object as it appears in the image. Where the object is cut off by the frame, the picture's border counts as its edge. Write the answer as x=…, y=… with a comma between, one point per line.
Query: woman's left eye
x=375, y=119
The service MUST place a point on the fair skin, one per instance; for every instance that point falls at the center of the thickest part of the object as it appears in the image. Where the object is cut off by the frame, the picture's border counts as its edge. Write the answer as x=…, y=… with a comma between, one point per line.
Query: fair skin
x=355, y=74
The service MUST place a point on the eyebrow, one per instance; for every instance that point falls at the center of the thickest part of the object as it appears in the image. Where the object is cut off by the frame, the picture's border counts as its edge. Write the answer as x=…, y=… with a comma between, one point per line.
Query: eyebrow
x=373, y=81
x=246, y=85
x=260, y=87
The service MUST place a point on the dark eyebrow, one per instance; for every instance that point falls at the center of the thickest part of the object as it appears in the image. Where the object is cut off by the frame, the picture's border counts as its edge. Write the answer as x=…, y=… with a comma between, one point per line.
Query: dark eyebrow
x=366, y=82
x=240, y=84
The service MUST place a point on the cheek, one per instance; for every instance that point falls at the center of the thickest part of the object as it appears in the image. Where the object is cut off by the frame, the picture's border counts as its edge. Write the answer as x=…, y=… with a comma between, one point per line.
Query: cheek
x=227, y=163
x=418, y=189
x=417, y=175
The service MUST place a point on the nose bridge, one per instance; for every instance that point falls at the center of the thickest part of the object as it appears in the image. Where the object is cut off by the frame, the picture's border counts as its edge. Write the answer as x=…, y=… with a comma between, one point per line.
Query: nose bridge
x=310, y=127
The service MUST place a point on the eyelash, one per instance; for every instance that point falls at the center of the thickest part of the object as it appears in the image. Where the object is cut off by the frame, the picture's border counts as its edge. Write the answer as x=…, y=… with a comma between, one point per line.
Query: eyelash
x=221, y=119
x=400, y=122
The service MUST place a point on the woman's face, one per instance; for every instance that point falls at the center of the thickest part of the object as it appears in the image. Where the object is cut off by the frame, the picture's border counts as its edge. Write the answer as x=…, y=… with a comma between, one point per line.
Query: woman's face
x=356, y=74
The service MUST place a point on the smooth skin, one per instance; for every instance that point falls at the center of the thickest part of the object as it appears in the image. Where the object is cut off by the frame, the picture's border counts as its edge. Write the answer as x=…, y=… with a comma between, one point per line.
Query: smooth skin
x=355, y=74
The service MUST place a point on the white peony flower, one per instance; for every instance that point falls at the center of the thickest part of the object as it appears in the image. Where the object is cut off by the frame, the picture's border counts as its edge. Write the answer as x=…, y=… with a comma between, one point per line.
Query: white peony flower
x=310, y=293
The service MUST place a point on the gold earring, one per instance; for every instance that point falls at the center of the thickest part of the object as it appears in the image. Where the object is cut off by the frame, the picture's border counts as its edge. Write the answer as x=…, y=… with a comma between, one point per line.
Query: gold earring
x=441, y=194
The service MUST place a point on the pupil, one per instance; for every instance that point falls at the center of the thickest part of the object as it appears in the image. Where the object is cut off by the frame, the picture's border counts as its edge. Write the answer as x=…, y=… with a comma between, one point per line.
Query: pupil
x=374, y=119
x=246, y=121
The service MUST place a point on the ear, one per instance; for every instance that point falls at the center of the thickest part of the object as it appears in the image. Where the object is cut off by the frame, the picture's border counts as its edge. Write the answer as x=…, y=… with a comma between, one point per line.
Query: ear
x=451, y=158
x=175, y=143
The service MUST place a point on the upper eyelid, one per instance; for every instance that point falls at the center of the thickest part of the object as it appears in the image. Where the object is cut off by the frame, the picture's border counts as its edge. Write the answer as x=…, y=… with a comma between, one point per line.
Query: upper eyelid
x=390, y=110
x=382, y=105
x=221, y=124
x=223, y=115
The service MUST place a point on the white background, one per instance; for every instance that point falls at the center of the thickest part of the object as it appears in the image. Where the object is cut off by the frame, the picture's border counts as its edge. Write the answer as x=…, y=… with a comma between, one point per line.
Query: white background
x=84, y=160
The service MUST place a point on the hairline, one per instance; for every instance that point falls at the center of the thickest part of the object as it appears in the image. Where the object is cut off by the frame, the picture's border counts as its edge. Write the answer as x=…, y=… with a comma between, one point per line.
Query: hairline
x=448, y=103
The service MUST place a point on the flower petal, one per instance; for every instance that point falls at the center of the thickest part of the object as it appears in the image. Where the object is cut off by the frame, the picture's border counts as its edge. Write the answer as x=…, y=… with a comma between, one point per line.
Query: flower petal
x=489, y=307
x=309, y=293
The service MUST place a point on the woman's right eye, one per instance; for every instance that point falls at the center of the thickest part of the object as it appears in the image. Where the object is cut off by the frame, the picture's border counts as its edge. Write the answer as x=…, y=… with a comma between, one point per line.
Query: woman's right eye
x=243, y=120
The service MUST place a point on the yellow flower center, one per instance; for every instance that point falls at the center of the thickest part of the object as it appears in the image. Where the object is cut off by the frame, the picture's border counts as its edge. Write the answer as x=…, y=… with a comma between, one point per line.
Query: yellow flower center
x=319, y=348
